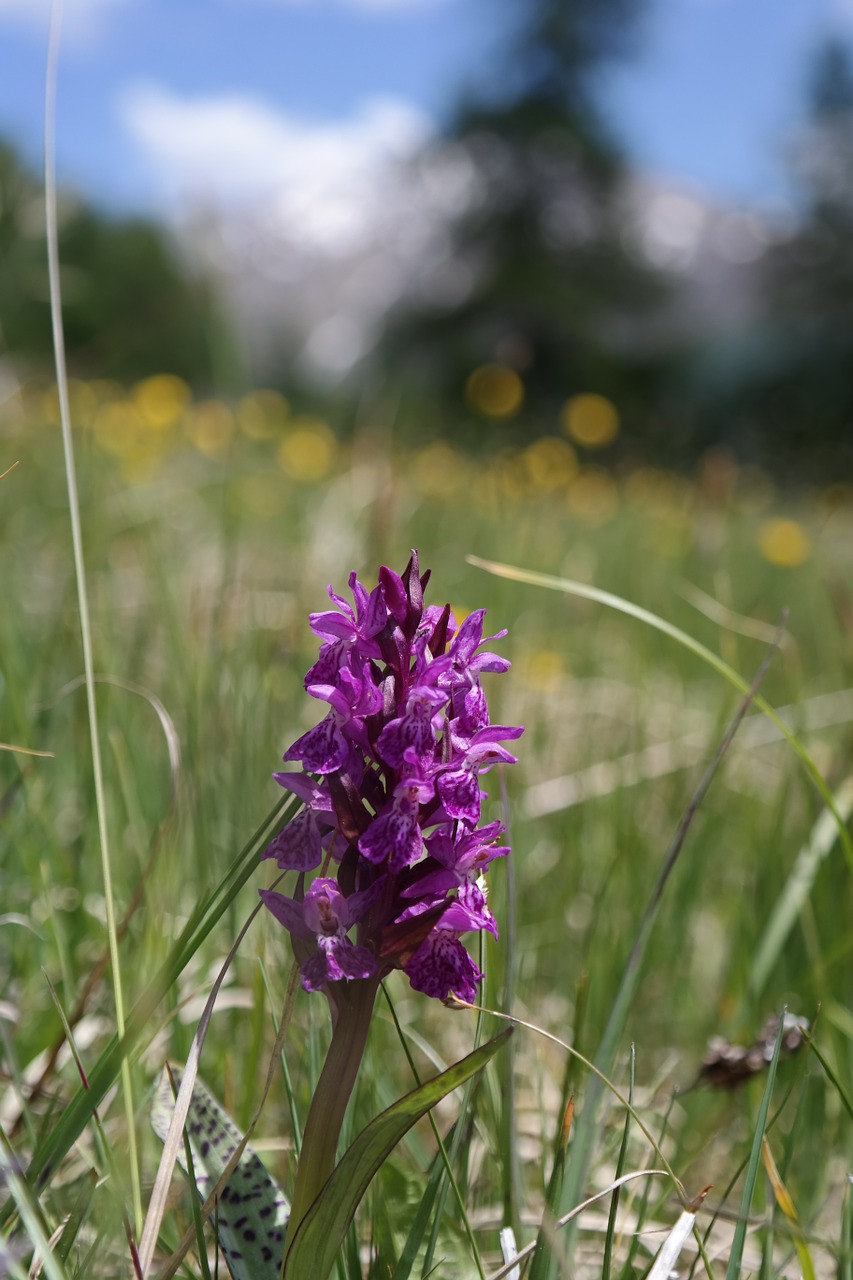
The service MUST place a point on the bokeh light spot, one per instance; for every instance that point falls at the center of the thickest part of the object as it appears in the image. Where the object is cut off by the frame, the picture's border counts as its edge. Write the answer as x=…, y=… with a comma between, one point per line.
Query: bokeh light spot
x=307, y=451
x=210, y=427
x=494, y=391
x=439, y=470
x=551, y=464
x=590, y=420
x=262, y=414
x=593, y=498
x=545, y=670
x=784, y=542
x=161, y=400
x=117, y=427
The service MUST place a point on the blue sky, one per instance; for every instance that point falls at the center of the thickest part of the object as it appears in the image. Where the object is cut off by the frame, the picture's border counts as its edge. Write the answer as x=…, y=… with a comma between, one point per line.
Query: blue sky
x=161, y=99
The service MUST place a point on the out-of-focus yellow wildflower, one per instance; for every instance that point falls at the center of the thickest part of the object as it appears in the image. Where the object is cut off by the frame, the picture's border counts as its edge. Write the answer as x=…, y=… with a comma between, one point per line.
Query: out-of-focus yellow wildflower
x=307, y=451
x=593, y=498
x=551, y=464
x=210, y=427
x=544, y=669
x=784, y=542
x=439, y=470
x=494, y=391
x=118, y=428
x=262, y=415
x=82, y=403
x=161, y=400
x=591, y=420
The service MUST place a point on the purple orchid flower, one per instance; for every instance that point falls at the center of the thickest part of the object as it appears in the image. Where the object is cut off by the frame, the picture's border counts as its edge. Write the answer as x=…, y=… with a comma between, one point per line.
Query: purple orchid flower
x=325, y=915
x=399, y=756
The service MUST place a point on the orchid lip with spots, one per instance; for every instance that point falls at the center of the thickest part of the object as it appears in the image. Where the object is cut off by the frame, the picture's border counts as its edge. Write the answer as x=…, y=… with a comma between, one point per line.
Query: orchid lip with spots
x=391, y=815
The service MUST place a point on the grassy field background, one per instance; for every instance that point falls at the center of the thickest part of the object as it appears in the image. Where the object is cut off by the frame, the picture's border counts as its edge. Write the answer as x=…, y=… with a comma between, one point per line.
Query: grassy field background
x=210, y=531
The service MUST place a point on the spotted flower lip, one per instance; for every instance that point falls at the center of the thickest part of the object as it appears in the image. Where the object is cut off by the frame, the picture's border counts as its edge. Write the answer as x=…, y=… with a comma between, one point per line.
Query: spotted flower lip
x=392, y=792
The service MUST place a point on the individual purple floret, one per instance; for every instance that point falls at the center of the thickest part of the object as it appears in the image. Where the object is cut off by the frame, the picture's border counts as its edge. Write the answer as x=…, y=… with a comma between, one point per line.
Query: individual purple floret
x=324, y=915
x=395, y=795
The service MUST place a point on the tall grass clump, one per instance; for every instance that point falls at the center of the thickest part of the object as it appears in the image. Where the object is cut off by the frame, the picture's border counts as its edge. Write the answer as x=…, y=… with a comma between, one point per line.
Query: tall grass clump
x=201, y=570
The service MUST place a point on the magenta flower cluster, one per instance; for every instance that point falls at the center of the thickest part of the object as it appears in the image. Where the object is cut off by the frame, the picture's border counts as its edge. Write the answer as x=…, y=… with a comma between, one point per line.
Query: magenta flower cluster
x=391, y=793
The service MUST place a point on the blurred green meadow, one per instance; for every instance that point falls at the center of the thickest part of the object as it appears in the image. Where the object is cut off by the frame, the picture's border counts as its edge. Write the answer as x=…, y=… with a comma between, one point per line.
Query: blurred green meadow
x=210, y=531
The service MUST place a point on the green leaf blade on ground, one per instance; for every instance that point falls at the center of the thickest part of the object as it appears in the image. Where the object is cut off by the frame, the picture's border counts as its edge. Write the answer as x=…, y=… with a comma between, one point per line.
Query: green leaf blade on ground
x=316, y=1244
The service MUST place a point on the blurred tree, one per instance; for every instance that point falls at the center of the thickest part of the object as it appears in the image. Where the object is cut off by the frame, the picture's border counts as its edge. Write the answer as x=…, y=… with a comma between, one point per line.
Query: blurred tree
x=131, y=306
x=539, y=274
x=802, y=408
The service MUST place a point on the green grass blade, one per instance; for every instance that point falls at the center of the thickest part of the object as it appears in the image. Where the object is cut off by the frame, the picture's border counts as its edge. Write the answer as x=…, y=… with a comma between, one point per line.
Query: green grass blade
x=845, y=1261
x=620, y=1169
x=418, y=1229
x=74, y=1117
x=798, y=886
x=831, y=1075
x=585, y=1131
x=541, y=1264
x=508, y=1136
x=295, y=1122
x=739, y=1240
x=442, y=1174
x=52, y=235
x=30, y=1213
x=316, y=1243
x=584, y=592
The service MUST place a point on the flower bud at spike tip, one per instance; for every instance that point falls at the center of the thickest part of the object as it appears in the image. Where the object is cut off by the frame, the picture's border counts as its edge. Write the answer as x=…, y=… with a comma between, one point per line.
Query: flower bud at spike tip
x=396, y=797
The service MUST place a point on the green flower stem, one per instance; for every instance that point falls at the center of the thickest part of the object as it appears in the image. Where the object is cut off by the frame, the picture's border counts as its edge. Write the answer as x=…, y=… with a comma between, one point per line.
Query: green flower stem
x=328, y=1106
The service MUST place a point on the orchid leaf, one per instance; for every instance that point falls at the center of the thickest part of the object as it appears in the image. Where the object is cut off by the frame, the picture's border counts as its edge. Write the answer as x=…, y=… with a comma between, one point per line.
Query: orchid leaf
x=321, y=1233
x=252, y=1212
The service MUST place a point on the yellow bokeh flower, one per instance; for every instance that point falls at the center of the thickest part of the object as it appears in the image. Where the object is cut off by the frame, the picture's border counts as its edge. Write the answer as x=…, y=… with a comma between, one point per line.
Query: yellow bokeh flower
x=210, y=427
x=590, y=420
x=545, y=670
x=161, y=400
x=307, y=451
x=262, y=414
x=784, y=542
x=439, y=470
x=494, y=391
x=82, y=403
x=550, y=464
x=118, y=428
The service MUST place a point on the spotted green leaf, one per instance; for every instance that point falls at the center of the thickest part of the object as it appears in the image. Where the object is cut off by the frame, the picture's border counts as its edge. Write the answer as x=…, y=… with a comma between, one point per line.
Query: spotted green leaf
x=252, y=1211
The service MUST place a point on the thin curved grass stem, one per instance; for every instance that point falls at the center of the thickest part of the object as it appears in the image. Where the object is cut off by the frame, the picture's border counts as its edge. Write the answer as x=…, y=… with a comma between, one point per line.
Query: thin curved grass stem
x=80, y=576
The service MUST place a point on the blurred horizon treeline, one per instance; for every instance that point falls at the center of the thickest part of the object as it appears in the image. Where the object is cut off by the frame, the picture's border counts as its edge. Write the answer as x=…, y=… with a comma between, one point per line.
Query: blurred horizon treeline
x=558, y=295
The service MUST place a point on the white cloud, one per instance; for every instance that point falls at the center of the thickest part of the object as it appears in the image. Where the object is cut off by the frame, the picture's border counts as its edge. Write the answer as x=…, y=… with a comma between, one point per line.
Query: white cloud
x=81, y=19
x=367, y=6
x=233, y=151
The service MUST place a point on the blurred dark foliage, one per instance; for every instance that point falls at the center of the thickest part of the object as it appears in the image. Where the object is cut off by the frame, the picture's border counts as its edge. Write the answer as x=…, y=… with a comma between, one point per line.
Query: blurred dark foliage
x=131, y=304
x=559, y=291
x=801, y=401
x=556, y=290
